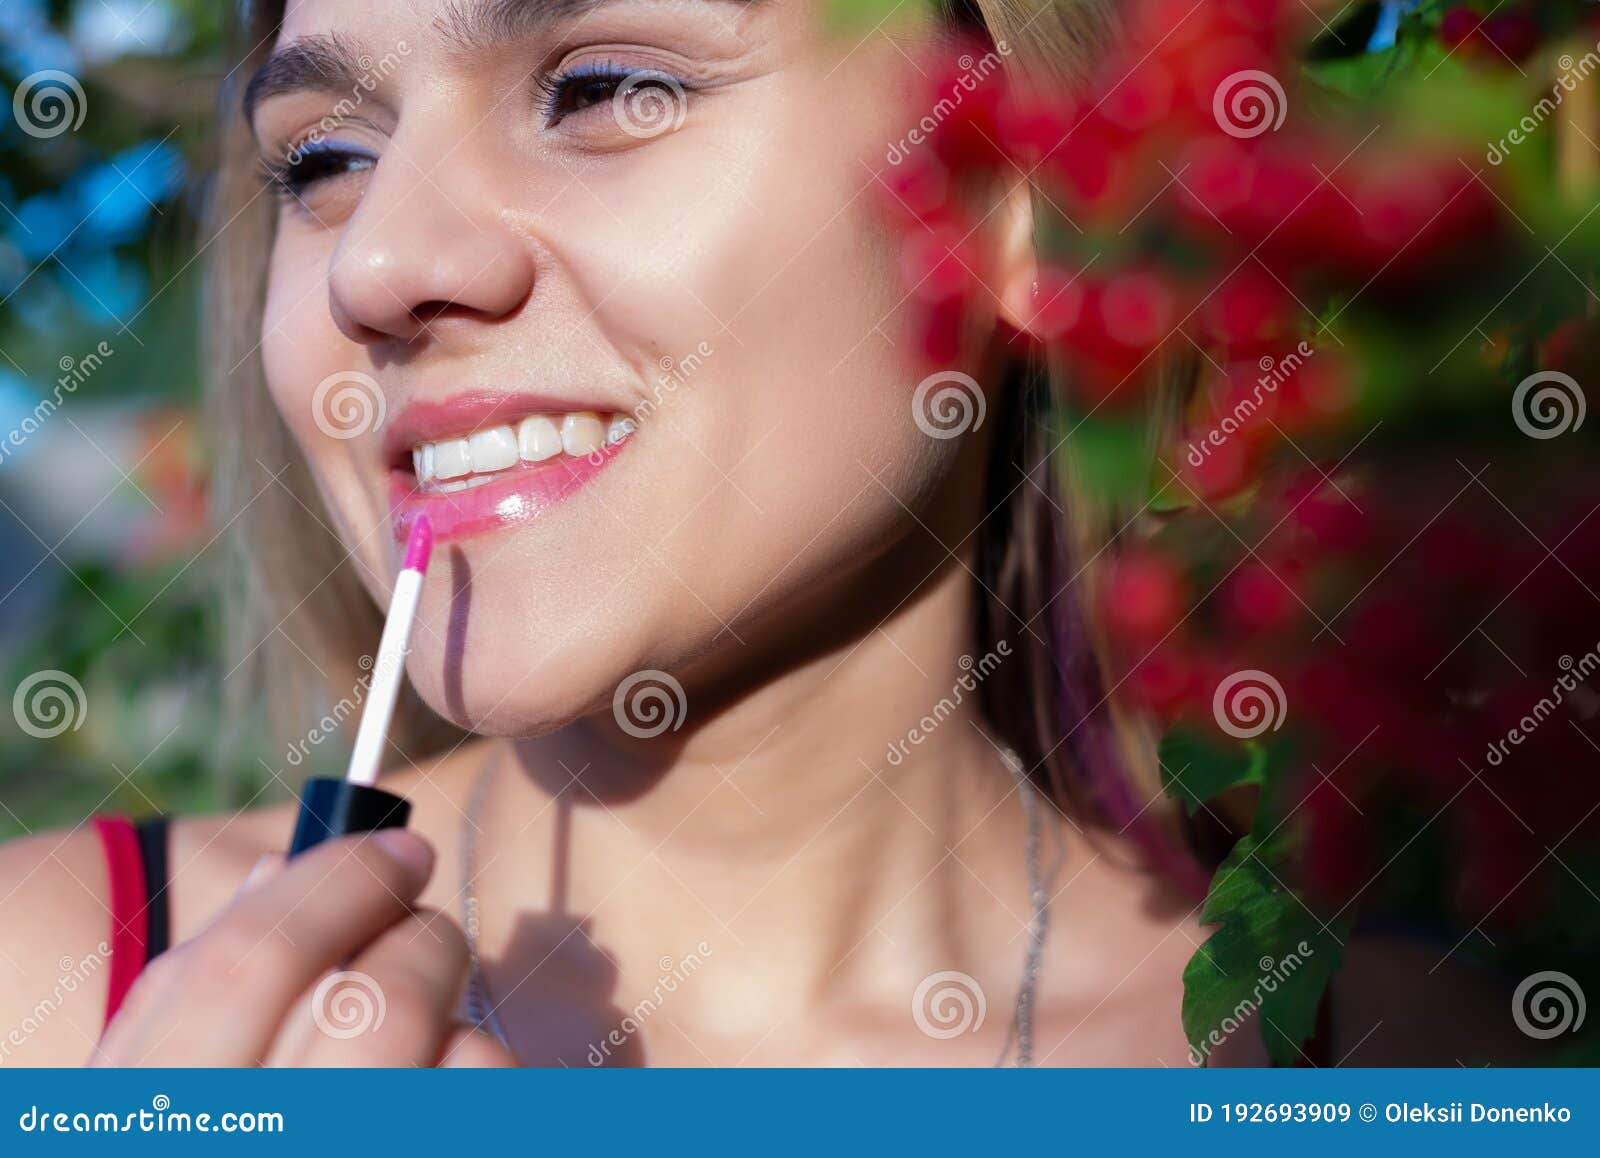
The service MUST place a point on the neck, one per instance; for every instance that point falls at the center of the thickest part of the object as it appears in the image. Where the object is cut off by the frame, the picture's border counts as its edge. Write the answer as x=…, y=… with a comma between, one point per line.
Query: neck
x=834, y=819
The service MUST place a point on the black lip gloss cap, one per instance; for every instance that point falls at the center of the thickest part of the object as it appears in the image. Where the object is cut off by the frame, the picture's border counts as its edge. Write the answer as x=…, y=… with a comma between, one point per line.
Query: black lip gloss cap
x=330, y=808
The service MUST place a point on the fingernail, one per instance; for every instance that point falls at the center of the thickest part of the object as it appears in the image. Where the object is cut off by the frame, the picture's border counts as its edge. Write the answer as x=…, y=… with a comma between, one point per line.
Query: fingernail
x=407, y=848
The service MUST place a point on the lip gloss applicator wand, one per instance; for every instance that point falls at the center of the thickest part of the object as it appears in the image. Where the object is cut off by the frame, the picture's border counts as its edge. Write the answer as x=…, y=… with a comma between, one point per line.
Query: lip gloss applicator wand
x=329, y=807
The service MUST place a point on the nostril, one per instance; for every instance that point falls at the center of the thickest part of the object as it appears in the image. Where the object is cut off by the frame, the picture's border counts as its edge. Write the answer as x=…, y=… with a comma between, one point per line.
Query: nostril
x=431, y=311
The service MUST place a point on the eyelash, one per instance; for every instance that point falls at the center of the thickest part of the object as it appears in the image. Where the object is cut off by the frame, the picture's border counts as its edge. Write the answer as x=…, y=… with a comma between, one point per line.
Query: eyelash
x=559, y=88
x=307, y=164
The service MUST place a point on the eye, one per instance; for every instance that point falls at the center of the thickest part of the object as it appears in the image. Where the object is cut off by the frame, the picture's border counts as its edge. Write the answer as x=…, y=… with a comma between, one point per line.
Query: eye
x=305, y=165
x=584, y=88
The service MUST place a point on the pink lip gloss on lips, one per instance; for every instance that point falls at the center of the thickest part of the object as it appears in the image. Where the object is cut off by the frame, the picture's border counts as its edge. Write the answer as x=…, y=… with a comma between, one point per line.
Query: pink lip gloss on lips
x=517, y=492
x=523, y=494
x=328, y=807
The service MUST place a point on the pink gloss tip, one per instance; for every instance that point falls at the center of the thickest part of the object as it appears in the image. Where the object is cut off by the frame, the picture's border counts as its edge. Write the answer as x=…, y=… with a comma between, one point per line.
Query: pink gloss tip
x=420, y=545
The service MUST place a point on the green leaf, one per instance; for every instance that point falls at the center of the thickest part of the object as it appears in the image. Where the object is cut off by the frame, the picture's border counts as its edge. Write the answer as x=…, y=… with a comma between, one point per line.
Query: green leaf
x=1195, y=769
x=1268, y=962
x=1109, y=456
x=859, y=15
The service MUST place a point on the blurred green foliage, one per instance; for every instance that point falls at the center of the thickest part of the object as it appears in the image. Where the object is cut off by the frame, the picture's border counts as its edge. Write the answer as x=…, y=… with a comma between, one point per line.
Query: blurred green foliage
x=105, y=562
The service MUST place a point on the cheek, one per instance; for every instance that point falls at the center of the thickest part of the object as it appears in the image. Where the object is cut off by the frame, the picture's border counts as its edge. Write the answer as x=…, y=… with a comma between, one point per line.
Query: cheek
x=758, y=287
x=299, y=344
x=300, y=349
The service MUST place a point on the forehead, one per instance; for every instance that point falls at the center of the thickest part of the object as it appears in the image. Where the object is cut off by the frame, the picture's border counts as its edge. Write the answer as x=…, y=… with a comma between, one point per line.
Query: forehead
x=462, y=21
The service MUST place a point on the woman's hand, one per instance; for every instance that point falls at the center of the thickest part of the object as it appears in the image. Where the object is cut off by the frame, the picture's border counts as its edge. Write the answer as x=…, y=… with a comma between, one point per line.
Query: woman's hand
x=245, y=991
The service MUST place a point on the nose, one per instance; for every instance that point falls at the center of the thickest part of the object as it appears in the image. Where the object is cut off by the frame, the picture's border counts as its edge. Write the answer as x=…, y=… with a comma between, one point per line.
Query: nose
x=425, y=249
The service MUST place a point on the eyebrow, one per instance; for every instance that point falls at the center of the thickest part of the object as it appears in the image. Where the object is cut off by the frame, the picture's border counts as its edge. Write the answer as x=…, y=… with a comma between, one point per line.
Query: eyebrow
x=333, y=63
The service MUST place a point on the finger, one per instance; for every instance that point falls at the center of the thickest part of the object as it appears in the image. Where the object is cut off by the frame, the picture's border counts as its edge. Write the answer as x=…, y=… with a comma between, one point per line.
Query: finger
x=220, y=998
x=394, y=1005
x=475, y=1049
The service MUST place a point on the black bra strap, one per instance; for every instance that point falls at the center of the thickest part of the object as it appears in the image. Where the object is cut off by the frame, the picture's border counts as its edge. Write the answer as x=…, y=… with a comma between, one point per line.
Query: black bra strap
x=153, y=851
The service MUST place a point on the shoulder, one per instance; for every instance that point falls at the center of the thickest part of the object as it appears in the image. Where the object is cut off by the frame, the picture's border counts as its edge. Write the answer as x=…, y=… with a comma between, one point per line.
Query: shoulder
x=56, y=927
x=54, y=955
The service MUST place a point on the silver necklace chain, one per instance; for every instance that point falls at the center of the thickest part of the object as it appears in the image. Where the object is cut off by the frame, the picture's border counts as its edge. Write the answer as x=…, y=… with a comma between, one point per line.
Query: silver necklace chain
x=482, y=1010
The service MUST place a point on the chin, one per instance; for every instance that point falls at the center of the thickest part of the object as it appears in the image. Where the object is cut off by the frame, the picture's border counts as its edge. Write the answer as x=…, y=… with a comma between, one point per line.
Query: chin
x=503, y=687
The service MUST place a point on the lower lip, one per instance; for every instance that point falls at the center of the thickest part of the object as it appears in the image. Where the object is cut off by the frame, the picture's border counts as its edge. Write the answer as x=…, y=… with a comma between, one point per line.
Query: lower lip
x=524, y=494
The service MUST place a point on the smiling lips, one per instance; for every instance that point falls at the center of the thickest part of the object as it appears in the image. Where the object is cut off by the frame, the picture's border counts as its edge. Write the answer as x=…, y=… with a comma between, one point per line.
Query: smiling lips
x=477, y=463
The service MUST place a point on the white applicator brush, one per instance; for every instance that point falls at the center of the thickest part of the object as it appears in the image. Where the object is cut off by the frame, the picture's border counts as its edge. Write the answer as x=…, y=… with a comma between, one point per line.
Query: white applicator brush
x=330, y=808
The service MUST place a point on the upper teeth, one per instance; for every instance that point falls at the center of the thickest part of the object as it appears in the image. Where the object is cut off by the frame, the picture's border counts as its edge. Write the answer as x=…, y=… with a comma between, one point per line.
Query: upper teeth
x=534, y=439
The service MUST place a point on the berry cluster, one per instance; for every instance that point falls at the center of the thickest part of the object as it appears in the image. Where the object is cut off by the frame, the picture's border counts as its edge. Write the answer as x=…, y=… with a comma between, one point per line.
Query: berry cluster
x=1355, y=498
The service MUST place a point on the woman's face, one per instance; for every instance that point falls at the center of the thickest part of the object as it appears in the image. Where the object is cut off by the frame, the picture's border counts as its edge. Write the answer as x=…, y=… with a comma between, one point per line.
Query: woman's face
x=516, y=228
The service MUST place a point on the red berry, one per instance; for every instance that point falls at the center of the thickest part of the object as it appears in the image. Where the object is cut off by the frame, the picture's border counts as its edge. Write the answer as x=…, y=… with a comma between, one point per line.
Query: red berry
x=1144, y=596
x=1141, y=100
x=1261, y=598
x=1459, y=25
x=1515, y=34
x=1090, y=165
x=1249, y=309
x=1217, y=472
x=1035, y=129
x=939, y=265
x=1138, y=309
x=1573, y=348
x=1166, y=682
x=943, y=326
x=916, y=187
x=1318, y=391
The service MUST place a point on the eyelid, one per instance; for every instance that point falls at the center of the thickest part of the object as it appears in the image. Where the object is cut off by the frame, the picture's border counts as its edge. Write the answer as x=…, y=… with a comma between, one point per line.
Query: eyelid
x=553, y=84
x=286, y=173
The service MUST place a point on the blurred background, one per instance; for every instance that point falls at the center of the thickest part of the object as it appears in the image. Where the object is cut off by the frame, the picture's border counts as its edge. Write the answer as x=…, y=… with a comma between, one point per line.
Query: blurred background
x=103, y=535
